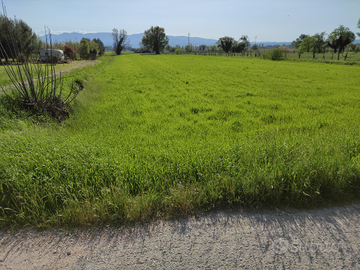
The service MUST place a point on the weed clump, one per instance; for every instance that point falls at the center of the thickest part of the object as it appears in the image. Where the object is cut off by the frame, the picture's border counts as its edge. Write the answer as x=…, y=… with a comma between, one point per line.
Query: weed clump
x=274, y=54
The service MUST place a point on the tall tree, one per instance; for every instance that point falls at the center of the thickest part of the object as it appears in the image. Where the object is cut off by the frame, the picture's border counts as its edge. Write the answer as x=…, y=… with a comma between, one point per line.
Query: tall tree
x=225, y=43
x=84, y=48
x=155, y=39
x=18, y=33
x=94, y=47
x=358, y=26
x=296, y=43
x=101, y=47
x=340, y=38
x=120, y=40
x=305, y=45
x=317, y=42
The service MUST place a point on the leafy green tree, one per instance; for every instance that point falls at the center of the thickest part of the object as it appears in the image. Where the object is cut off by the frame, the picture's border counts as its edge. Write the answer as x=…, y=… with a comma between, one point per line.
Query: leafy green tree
x=58, y=45
x=296, y=43
x=305, y=45
x=254, y=47
x=101, y=47
x=120, y=40
x=94, y=47
x=18, y=31
x=84, y=48
x=202, y=47
x=238, y=47
x=358, y=26
x=172, y=49
x=225, y=43
x=75, y=45
x=189, y=48
x=245, y=39
x=212, y=48
x=317, y=43
x=340, y=38
x=155, y=39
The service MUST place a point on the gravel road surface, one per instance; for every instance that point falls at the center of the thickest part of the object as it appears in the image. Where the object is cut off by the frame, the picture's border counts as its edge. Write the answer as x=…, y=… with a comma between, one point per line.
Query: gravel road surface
x=283, y=239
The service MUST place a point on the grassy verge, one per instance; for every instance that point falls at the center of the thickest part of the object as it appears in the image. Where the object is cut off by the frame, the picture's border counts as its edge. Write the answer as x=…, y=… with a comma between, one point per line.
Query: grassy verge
x=167, y=135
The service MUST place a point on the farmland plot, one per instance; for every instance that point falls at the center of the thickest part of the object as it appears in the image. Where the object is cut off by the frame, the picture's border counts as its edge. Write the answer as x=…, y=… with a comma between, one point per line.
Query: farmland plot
x=166, y=135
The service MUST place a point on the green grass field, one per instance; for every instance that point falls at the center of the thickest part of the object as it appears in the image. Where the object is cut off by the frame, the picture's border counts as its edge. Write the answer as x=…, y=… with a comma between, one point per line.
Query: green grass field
x=167, y=135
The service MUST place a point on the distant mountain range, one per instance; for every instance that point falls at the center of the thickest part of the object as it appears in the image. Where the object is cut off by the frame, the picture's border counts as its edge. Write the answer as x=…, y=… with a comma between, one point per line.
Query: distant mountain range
x=135, y=39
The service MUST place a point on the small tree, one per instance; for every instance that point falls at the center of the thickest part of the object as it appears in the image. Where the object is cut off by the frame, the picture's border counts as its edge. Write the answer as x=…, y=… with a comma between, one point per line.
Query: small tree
x=69, y=52
x=245, y=40
x=155, y=39
x=254, y=47
x=101, y=47
x=238, y=47
x=120, y=40
x=212, y=48
x=84, y=49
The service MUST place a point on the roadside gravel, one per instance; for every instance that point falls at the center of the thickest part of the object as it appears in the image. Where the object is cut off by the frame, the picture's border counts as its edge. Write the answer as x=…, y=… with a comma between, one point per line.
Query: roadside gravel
x=326, y=238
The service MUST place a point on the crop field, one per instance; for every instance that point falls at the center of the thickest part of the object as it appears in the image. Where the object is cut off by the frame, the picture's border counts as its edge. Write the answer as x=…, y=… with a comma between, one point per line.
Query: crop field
x=163, y=136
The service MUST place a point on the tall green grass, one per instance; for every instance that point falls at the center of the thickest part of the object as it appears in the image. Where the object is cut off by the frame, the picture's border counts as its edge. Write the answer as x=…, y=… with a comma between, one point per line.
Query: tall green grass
x=167, y=135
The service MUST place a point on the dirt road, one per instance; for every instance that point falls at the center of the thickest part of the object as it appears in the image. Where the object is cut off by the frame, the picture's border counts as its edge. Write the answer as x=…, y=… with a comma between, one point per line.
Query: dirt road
x=284, y=239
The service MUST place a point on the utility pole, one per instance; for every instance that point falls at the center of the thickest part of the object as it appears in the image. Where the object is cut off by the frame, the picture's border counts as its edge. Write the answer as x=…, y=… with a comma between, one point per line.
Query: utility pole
x=189, y=40
x=255, y=39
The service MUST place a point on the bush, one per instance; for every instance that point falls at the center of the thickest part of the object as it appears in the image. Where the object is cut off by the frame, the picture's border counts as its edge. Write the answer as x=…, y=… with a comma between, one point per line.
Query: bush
x=274, y=54
x=178, y=51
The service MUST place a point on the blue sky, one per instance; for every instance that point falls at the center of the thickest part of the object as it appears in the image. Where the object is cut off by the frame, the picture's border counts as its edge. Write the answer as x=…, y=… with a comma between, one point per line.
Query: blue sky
x=271, y=20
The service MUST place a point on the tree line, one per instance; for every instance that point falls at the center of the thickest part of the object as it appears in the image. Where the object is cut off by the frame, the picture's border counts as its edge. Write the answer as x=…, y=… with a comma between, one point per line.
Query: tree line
x=155, y=40
x=337, y=40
